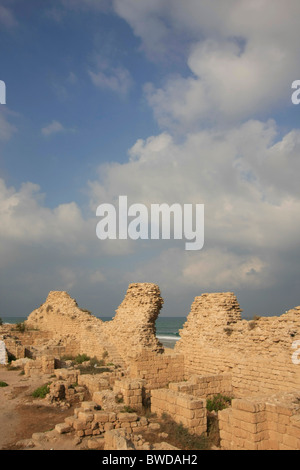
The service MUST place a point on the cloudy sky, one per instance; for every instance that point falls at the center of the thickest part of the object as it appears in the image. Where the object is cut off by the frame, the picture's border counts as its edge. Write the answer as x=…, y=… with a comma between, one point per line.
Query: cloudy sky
x=163, y=101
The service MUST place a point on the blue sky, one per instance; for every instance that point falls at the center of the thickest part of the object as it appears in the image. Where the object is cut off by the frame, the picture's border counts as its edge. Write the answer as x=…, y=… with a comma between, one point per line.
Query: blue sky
x=163, y=101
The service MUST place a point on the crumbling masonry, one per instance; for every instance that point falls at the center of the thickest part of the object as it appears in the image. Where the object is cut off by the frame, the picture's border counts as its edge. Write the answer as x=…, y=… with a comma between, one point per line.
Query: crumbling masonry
x=218, y=353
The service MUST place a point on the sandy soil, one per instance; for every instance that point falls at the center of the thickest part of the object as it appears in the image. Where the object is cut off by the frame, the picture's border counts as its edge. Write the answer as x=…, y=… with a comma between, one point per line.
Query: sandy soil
x=21, y=415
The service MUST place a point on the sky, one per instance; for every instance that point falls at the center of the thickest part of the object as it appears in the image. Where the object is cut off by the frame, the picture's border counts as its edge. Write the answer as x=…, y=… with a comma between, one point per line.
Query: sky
x=164, y=102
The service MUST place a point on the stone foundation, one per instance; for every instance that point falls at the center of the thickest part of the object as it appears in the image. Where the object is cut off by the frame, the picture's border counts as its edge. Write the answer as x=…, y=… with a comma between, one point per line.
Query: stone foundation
x=271, y=423
x=183, y=409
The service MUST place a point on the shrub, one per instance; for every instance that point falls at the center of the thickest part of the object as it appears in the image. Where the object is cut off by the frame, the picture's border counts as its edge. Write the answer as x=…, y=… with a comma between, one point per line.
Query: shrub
x=91, y=370
x=181, y=437
x=81, y=358
x=1, y=321
x=3, y=384
x=127, y=409
x=21, y=327
x=218, y=402
x=42, y=391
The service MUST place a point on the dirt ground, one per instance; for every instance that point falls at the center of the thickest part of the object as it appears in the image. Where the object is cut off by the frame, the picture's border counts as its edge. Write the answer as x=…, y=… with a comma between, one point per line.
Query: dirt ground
x=21, y=415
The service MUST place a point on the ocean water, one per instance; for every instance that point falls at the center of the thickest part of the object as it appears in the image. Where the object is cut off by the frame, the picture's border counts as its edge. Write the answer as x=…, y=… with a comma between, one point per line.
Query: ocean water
x=167, y=328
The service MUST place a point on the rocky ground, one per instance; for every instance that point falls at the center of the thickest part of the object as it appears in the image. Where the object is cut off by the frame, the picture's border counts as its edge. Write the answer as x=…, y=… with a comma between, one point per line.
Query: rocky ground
x=23, y=417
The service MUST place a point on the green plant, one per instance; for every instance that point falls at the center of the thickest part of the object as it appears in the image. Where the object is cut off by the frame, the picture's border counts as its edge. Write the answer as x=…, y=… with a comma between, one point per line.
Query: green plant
x=96, y=363
x=42, y=391
x=74, y=385
x=3, y=384
x=81, y=358
x=1, y=321
x=91, y=370
x=218, y=402
x=180, y=436
x=127, y=409
x=21, y=327
x=67, y=358
x=119, y=399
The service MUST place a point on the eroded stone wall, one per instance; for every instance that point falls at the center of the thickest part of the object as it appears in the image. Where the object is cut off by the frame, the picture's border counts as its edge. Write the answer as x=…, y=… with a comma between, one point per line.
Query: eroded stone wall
x=257, y=353
x=125, y=338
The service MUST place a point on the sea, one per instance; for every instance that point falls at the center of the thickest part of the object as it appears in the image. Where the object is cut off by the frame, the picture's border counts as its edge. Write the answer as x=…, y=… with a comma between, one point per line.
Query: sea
x=167, y=328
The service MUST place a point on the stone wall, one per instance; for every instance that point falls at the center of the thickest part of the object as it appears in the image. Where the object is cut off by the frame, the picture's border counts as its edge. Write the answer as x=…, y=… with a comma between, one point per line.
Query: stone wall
x=128, y=335
x=131, y=392
x=3, y=354
x=204, y=386
x=182, y=408
x=271, y=423
x=257, y=353
x=158, y=370
x=44, y=365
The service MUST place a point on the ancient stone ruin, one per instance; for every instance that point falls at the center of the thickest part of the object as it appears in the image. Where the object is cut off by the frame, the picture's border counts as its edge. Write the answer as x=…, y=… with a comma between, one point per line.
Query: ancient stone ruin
x=3, y=354
x=218, y=353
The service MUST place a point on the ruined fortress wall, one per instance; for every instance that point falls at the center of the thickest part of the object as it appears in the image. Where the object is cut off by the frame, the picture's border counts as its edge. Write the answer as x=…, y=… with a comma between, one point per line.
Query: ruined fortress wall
x=132, y=330
x=77, y=330
x=261, y=424
x=204, y=386
x=258, y=354
x=158, y=370
x=126, y=337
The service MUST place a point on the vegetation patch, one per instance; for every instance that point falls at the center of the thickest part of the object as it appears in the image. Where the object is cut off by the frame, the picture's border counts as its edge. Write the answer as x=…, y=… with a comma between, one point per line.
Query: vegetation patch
x=127, y=409
x=3, y=384
x=42, y=391
x=179, y=436
x=21, y=327
x=81, y=358
x=218, y=402
x=92, y=370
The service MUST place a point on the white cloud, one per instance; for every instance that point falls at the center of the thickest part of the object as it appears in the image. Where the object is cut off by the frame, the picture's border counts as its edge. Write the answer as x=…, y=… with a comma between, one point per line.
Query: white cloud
x=55, y=127
x=248, y=182
x=107, y=77
x=7, y=130
x=25, y=219
x=242, y=57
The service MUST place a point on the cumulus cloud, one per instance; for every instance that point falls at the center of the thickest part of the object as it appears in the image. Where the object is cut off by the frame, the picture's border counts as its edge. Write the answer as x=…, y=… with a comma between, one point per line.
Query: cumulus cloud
x=247, y=180
x=241, y=57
